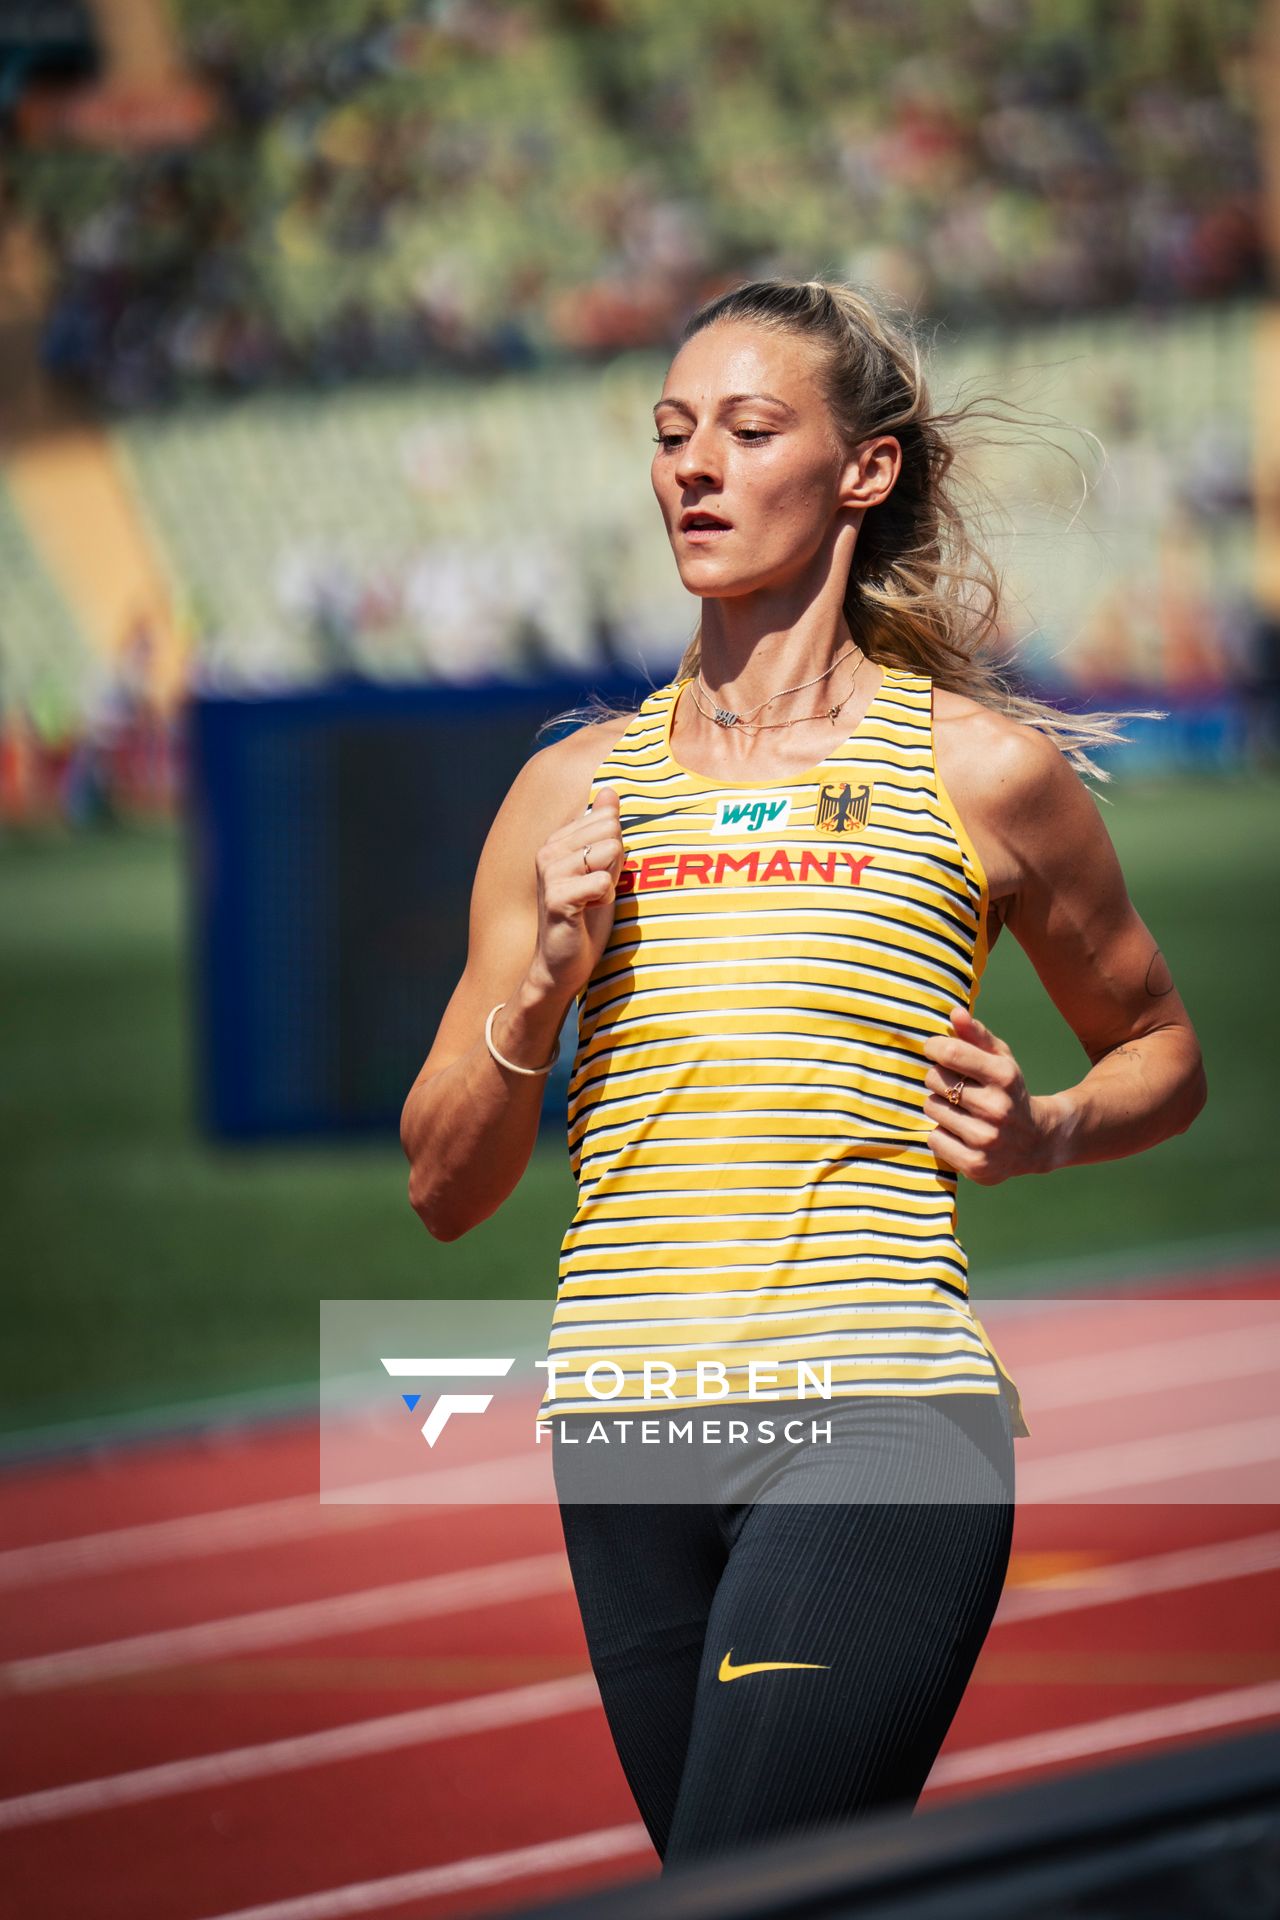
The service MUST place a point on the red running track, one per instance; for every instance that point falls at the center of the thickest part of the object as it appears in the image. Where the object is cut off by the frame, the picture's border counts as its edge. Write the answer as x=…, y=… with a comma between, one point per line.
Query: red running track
x=221, y=1697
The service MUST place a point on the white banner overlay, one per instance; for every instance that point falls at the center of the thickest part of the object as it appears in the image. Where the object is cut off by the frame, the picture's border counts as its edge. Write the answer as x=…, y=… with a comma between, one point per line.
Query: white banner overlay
x=1130, y=1401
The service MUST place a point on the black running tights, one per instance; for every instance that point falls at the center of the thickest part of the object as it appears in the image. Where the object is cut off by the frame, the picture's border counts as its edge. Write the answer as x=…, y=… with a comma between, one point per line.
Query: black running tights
x=888, y=1600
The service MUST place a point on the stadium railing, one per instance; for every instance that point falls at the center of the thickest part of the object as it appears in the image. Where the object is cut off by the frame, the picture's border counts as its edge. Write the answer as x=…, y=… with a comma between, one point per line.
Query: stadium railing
x=1189, y=1831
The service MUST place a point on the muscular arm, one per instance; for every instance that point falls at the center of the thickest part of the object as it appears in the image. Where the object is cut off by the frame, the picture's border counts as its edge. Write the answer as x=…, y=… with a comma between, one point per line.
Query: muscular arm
x=1104, y=972
x=1071, y=913
x=469, y=1126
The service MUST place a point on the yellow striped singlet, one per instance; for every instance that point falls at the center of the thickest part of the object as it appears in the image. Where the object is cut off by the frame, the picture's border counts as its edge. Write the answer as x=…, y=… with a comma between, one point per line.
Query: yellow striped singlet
x=746, y=1124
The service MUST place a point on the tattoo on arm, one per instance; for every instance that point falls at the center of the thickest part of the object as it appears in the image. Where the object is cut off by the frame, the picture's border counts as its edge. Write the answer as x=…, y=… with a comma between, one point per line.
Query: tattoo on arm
x=1159, y=978
x=1133, y=1057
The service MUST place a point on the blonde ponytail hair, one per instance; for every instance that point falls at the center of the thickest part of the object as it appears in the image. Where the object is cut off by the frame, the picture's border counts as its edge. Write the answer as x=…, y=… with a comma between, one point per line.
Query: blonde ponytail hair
x=923, y=593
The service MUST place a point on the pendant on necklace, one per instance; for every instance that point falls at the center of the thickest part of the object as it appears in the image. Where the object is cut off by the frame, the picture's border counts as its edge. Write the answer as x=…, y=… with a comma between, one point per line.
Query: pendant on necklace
x=725, y=717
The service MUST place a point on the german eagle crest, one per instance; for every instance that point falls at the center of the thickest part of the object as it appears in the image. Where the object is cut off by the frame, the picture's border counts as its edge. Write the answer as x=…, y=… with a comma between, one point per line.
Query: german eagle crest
x=841, y=810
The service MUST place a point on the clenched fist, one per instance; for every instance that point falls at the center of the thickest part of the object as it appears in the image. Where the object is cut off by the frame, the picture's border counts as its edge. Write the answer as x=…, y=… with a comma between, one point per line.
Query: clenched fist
x=578, y=868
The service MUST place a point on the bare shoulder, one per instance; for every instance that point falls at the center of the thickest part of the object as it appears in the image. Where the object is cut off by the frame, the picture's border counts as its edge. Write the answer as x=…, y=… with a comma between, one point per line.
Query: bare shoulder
x=550, y=789
x=975, y=739
x=556, y=780
x=1010, y=782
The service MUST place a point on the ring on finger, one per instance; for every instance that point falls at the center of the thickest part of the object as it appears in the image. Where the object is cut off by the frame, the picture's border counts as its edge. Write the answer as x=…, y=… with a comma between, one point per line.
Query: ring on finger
x=954, y=1093
x=585, y=861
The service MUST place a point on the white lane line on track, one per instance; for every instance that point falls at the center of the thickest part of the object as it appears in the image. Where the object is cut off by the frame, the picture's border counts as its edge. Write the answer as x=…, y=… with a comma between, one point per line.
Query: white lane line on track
x=1062, y=1477
x=271, y=1522
x=510, y=1706
x=503, y=1582
x=457, y=1876
x=1192, y=1360
x=498, y=1584
x=515, y=1706
x=1057, y=1744
x=1001, y=1757
x=1109, y=1585
x=1051, y=1386
x=1159, y=1459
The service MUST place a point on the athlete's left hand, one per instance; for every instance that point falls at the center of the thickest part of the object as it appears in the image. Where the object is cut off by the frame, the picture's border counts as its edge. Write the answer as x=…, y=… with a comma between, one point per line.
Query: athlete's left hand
x=998, y=1129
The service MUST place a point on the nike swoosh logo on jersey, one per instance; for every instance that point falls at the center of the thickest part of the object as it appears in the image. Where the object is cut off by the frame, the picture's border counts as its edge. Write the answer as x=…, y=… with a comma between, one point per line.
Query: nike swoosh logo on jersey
x=729, y=1672
x=627, y=821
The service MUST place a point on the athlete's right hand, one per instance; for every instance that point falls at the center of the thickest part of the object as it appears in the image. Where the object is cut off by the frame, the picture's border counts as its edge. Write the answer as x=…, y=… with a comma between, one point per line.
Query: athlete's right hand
x=575, y=906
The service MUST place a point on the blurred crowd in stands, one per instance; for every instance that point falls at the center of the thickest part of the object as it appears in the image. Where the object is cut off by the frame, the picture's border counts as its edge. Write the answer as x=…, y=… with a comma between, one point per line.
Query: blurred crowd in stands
x=396, y=187
x=472, y=184
x=123, y=758
x=119, y=757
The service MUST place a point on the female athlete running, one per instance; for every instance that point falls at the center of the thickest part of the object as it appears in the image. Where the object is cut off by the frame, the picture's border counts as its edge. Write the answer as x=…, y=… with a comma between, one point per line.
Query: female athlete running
x=772, y=891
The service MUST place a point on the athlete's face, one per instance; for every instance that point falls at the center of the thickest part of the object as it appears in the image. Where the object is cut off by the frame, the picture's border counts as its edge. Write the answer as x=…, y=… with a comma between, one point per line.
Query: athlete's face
x=746, y=440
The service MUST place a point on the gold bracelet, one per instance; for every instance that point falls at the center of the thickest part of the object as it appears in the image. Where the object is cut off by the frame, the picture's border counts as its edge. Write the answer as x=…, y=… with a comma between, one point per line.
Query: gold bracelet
x=501, y=1057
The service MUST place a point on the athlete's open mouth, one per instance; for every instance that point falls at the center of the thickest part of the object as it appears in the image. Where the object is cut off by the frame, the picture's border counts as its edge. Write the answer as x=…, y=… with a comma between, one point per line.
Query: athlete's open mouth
x=699, y=524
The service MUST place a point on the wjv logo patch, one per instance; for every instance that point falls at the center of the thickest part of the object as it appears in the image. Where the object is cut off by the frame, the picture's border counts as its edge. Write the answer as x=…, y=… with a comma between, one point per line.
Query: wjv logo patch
x=751, y=813
x=434, y=1424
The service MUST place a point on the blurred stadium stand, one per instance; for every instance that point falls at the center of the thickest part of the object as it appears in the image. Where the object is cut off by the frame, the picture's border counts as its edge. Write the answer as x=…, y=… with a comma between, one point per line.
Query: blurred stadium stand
x=1187, y=1834
x=434, y=534
x=473, y=185
x=54, y=41
x=341, y=328
x=474, y=230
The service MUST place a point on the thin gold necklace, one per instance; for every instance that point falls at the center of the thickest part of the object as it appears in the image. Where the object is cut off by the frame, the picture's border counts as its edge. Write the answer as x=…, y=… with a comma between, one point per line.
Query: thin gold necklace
x=769, y=726
x=728, y=717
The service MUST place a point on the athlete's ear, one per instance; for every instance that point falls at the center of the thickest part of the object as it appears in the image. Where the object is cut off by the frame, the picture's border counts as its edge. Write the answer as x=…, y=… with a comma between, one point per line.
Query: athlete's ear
x=870, y=472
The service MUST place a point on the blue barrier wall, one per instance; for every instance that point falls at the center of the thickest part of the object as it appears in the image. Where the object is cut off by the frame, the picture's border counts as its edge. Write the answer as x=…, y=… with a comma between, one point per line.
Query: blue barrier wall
x=333, y=840
x=334, y=836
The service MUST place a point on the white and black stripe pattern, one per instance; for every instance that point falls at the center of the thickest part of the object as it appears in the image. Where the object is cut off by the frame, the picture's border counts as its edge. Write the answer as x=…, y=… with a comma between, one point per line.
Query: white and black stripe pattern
x=746, y=1117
